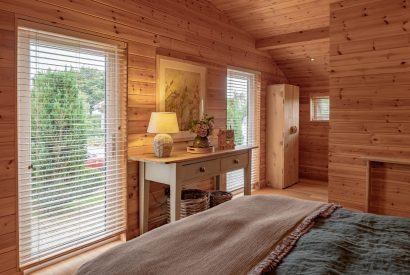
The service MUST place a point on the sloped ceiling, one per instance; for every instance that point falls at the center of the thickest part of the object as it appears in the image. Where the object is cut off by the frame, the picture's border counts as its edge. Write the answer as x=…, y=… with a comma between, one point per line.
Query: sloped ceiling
x=294, y=32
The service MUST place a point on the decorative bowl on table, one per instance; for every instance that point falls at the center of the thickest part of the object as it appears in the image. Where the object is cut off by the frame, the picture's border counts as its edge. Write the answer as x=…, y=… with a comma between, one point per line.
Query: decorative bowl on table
x=197, y=150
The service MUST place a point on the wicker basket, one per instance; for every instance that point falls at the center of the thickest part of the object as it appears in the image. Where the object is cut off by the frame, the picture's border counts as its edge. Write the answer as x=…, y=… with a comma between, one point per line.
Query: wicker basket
x=218, y=197
x=192, y=201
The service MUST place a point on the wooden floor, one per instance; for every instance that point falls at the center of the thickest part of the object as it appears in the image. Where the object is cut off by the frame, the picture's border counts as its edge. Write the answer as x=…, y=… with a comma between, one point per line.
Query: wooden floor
x=308, y=190
x=305, y=189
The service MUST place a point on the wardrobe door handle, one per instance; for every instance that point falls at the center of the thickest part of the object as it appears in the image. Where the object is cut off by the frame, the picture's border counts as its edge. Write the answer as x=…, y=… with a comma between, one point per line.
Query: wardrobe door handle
x=202, y=169
x=236, y=161
x=293, y=129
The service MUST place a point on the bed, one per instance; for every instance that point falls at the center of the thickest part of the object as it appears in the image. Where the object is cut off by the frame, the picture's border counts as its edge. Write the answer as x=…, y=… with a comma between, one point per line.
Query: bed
x=266, y=235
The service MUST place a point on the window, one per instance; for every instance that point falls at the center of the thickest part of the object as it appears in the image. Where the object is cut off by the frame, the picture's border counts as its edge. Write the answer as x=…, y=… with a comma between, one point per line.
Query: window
x=319, y=108
x=243, y=116
x=71, y=151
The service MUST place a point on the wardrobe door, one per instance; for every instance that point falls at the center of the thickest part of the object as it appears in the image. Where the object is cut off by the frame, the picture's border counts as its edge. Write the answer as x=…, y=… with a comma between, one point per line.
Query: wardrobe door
x=275, y=136
x=291, y=135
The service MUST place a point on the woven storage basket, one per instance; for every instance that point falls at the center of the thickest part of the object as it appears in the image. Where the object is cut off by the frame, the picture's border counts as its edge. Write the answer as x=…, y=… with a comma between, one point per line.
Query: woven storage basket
x=192, y=201
x=218, y=197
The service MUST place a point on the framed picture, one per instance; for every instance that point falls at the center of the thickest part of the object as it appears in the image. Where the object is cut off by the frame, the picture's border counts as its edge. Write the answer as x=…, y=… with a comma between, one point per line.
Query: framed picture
x=226, y=139
x=181, y=89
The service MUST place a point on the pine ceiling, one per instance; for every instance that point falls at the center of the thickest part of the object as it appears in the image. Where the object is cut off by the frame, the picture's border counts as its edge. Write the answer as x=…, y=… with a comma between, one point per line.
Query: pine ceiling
x=294, y=32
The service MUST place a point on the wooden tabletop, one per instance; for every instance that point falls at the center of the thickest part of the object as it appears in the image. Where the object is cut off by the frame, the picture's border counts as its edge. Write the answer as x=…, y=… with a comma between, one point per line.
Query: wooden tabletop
x=181, y=156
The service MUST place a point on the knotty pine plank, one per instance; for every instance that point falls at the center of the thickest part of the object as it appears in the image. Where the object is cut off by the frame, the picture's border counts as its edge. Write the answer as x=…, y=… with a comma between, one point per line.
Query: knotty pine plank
x=370, y=101
x=8, y=261
x=7, y=224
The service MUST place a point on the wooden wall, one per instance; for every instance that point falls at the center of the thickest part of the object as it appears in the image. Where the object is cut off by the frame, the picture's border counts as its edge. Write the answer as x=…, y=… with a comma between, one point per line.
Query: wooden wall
x=370, y=101
x=390, y=194
x=8, y=144
x=190, y=30
x=313, y=79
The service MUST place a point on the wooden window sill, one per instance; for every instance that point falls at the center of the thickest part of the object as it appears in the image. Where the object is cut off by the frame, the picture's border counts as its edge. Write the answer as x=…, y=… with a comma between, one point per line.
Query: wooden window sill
x=70, y=264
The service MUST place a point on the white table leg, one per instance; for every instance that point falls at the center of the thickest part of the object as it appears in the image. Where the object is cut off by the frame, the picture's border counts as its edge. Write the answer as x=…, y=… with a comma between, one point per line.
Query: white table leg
x=175, y=201
x=143, y=198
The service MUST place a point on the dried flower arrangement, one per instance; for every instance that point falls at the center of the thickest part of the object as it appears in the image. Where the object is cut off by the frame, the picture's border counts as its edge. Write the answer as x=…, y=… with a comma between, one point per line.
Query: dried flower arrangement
x=202, y=128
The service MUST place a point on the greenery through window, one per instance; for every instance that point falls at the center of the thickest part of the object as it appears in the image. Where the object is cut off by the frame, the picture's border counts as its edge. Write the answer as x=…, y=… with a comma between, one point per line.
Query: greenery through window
x=243, y=117
x=237, y=108
x=61, y=114
x=70, y=173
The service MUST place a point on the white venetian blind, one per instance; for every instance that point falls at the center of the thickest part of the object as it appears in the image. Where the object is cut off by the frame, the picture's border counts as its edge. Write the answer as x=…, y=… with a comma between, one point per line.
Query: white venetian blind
x=319, y=108
x=243, y=116
x=71, y=143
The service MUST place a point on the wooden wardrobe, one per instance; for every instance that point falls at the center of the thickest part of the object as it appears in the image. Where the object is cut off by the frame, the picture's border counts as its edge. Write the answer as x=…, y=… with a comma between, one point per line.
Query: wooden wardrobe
x=282, y=135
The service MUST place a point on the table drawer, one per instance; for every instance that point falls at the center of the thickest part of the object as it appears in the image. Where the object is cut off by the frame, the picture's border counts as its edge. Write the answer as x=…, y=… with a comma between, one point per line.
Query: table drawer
x=234, y=162
x=200, y=169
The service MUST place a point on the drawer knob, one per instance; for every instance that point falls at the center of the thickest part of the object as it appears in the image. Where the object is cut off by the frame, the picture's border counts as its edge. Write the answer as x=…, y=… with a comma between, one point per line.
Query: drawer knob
x=236, y=161
x=202, y=169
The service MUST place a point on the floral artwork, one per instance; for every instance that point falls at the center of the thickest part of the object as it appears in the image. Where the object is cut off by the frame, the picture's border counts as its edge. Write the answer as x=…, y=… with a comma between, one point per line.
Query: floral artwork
x=181, y=89
x=182, y=95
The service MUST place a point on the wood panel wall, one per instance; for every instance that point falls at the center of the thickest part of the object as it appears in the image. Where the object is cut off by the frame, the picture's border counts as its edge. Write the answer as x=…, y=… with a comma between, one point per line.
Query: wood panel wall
x=370, y=100
x=8, y=145
x=313, y=79
x=190, y=30
x=390, y=189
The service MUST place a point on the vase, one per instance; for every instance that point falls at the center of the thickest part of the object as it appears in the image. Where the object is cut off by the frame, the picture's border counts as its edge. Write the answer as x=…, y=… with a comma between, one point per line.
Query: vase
x=201, y=142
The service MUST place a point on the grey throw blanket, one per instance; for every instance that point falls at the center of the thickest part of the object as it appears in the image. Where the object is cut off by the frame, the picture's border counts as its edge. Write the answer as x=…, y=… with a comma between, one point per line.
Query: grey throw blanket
x=352, y=243
x=232, y=238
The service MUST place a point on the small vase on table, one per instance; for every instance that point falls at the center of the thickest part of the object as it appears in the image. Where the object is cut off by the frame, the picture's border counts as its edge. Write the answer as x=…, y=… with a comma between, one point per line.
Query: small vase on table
x=203, y=129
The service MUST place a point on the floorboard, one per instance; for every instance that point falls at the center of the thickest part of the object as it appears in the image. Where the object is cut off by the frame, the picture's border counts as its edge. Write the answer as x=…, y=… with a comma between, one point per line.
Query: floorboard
x=305, y=189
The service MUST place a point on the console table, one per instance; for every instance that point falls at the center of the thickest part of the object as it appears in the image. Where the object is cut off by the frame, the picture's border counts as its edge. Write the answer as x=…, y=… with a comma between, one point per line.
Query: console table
x=182, y=168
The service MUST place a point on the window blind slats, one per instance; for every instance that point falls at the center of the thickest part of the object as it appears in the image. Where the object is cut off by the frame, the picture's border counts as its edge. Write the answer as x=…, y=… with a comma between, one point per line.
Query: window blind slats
x=319, y=108
x=108, y=164
x=70, y=225
x=73, y=191
x=66, y=214
x=73, y=225
x=55, y=245
x=58, y=175
x=90, y=237
x=72, y=144
x=243, y=115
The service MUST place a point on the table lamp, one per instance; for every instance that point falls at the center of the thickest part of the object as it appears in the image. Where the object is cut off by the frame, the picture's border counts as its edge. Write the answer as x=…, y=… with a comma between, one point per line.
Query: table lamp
x=163, y=124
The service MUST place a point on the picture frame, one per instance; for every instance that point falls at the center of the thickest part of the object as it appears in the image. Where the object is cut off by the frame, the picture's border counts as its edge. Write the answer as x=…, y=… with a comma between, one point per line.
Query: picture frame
x=226, y=139
x=181, y=89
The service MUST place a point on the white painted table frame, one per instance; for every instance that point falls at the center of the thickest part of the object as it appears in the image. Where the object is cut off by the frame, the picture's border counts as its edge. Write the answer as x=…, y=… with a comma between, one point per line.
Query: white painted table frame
x=183, y=168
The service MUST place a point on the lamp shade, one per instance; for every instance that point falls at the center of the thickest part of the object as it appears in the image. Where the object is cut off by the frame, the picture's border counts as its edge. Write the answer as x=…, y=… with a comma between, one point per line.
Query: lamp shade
x=163, y=123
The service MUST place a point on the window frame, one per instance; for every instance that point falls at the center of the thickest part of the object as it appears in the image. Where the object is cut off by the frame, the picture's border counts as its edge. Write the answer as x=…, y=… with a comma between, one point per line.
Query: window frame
x=118, y=87
x=253, y=119
x=312, y=105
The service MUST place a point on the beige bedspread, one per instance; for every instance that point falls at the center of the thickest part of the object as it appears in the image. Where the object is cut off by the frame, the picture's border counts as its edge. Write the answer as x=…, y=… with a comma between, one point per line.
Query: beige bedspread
x=229, y=239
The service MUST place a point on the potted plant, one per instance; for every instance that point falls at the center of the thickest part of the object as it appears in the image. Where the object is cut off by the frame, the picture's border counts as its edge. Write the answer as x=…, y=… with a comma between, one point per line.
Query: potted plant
x=202, y=128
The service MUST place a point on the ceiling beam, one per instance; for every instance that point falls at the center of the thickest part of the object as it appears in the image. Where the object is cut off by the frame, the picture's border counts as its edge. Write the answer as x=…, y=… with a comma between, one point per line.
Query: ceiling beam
x=292, y=39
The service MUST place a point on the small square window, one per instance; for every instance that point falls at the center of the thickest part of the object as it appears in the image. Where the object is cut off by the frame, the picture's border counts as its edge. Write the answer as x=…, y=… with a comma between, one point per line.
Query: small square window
x=319, y=108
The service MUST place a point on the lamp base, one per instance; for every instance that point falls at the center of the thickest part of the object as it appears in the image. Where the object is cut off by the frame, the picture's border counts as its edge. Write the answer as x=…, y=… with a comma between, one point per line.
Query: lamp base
x=162, y=145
